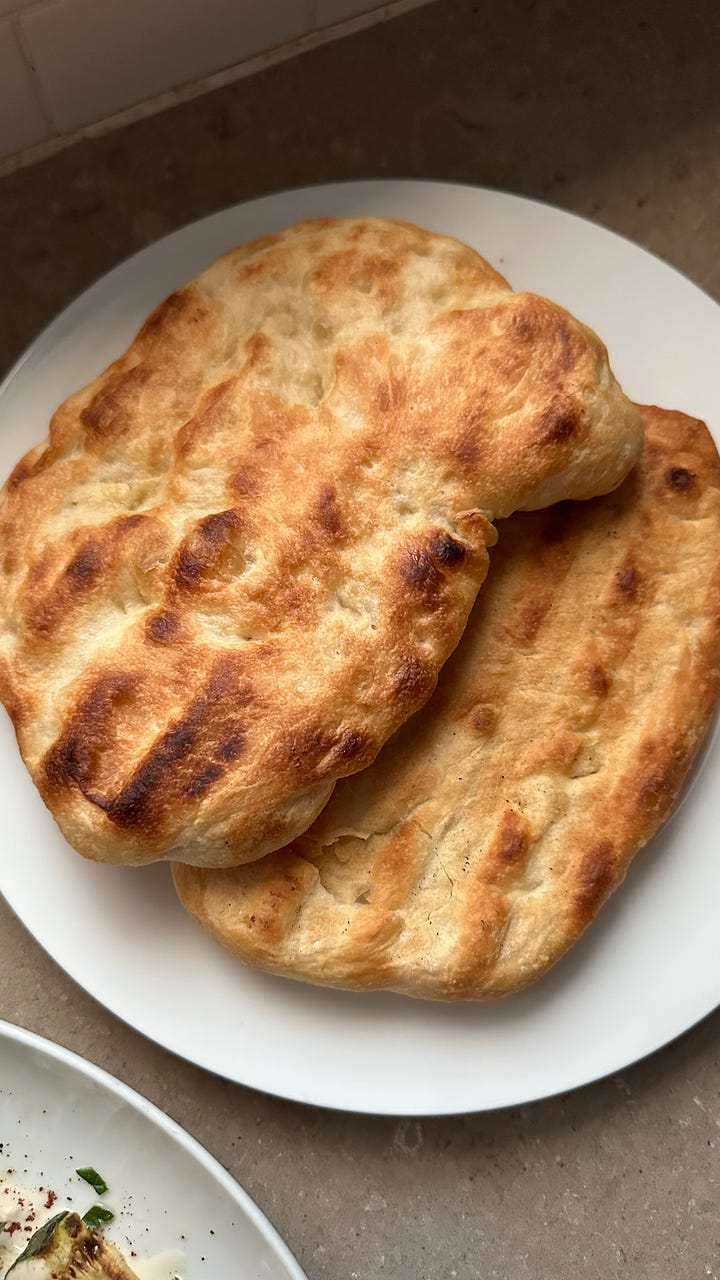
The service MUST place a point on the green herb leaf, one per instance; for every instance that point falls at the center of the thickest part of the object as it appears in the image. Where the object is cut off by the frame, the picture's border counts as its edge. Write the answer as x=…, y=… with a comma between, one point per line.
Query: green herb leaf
x=97, y=1216
x=97, y=1182
x=38, y=1241
x=2, y=1227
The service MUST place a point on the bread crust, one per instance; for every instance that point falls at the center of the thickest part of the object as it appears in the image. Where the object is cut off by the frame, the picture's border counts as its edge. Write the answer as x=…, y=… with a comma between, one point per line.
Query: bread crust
x=494, y=825
x=248, y=547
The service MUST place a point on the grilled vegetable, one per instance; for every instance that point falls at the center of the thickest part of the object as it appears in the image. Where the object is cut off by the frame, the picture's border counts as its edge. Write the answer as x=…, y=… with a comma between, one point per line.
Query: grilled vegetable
x=71, y=1251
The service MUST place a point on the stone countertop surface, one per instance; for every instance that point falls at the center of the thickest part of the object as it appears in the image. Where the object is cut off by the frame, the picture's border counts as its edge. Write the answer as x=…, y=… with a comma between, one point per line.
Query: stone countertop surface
x=610, y=110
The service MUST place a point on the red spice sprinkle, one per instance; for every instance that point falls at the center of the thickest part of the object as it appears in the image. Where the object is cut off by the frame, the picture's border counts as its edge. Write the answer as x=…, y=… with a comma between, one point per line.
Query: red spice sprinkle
x=51, y=1198
x=12, y=1227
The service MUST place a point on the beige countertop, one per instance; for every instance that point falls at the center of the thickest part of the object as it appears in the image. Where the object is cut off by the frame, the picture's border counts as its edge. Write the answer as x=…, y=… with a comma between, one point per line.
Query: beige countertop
x=610, y=110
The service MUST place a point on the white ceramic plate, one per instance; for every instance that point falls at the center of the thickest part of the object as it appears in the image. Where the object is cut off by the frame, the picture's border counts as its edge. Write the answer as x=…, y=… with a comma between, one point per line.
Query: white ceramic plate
x=649, y=967
x=58, y=1113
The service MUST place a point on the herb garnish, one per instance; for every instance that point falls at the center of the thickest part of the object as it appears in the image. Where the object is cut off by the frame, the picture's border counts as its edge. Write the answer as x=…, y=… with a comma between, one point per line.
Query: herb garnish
x=97, y=1182
x=97, y=1216
x=37, y=1242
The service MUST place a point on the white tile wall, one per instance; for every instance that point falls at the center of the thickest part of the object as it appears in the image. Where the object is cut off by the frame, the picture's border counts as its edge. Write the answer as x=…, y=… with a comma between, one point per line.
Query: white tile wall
x=65, y=64
x=22, y=122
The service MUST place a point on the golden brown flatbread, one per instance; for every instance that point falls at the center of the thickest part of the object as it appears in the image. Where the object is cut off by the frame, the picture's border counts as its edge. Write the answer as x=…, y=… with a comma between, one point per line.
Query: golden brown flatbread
x=248, y=547
x=493, y=826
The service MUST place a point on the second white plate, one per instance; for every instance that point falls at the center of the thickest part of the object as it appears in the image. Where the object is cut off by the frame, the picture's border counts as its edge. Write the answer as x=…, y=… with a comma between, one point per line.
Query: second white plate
x=173, y=1202
x=649, y=967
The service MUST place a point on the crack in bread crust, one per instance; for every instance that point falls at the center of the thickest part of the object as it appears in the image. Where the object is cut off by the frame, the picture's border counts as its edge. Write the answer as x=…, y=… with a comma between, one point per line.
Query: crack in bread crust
x=556, y=744
x=288, y=478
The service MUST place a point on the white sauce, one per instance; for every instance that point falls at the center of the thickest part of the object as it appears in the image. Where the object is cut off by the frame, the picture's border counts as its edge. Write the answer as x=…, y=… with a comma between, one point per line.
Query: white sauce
x=164, y=1266
x=11, y=1210
x=6, y=1257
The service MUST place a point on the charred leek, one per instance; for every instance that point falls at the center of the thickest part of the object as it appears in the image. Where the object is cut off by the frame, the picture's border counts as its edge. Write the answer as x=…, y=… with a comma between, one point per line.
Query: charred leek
x=72, y=1251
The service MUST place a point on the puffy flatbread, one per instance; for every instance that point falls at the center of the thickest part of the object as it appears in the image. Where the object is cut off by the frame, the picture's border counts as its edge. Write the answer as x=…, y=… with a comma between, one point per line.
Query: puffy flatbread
x=493, y=826
x=248, y=547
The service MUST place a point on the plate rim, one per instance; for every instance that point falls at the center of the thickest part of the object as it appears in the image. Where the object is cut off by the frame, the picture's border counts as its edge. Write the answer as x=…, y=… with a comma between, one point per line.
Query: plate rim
x=49, y=1049
x=364, y=1105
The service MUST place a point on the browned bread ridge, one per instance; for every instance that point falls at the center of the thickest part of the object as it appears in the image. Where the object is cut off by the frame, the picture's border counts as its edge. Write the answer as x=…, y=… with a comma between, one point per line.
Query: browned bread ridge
x=248, y=547
x=496, y=822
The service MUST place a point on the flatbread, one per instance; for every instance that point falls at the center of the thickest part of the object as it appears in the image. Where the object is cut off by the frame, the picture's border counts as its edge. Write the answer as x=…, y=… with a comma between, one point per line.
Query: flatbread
x=249, y=546
x=493, y=826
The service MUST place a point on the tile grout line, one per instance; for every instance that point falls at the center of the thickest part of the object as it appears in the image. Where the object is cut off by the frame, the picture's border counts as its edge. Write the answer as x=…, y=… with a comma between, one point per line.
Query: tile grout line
x=186, y=92
x=35, y=80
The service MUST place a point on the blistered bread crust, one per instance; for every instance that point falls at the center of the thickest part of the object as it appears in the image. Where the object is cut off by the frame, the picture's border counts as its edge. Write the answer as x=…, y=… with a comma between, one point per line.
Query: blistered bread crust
x=494, y=825
x=248, y=547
